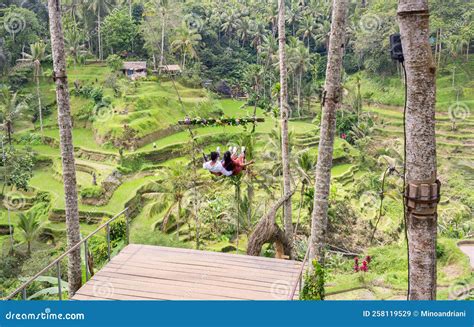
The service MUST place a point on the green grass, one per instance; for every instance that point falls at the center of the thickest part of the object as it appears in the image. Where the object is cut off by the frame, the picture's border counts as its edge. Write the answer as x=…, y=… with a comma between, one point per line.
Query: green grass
x=388, y=269
x=43, y=180
x=83, y=138
x=262, y=128
x=390, y=90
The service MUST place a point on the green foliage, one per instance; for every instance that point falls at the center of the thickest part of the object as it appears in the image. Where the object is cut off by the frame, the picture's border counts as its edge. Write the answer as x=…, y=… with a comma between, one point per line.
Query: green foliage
x=314, y=280
x=118, y=230
x=10, y=265
x=19, y=77
x=19, y=26
x=18, y=167
x=131, y=163
x=119, y=31
x=216, y=217
x=30, y=139
x=30, y=226
x=94, y=192
x=90, y=92
x=440, y=250
x=98, y=243
x=114, y=62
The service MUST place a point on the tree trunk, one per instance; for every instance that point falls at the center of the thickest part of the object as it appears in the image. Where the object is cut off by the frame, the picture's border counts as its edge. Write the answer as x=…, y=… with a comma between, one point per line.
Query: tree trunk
x=40, y=112
x=250, y=196
x=267, y=231
x=237, y=200
x=9, y=124
x=162, y=39
x=67, y=148
x=299, y=92
x=184, y=59
x=468, y=43
x=303, y=186
x=413, y=17
x=440, y=47
x=284, y=112
x=101, y=57
x=178, y=217
x=332, y=99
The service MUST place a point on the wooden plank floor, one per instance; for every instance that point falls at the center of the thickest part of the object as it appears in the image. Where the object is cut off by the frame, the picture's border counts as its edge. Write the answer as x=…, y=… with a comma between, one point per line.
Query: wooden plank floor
x=145, y=272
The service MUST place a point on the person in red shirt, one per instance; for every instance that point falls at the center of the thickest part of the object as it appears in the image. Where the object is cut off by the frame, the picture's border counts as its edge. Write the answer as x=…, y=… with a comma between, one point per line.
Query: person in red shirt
x=235, y=164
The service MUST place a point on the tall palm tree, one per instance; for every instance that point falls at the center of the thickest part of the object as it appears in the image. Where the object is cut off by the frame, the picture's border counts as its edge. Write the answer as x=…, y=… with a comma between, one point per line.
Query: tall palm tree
x=163, y=8
x=257, y=32
x=66, y=145
x=284, y=115
x=308, y=29
x=303, y=62
x=100, y=8
x=37, y=55
x=186, y=41
x=11, y=107
x=331, y=102
x=293, y=17
x=305, y=165
x=74, y=41
x=230, y=21
x=269, y=51
x=30, y=228
x=73, y=7
x=323, y=31
x=273, y=151
x=271, y=17
x=421, y=219
x=168, y=196
x=291, y=61
x=244, y=29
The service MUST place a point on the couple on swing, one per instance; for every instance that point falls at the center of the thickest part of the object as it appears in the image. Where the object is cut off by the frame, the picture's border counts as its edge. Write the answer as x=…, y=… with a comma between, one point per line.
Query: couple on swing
x=231, y=164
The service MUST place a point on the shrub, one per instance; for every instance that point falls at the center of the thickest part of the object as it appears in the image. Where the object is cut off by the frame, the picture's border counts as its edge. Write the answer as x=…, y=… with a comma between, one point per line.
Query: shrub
x=98, y=243
x=30, y=139
x=124, y=170
x=97, y=94
x=440, y=250
x=90, y=92
x=92, y=192
x=19, y=77
x=313, y=288
x=114, y=62
x=131, y=163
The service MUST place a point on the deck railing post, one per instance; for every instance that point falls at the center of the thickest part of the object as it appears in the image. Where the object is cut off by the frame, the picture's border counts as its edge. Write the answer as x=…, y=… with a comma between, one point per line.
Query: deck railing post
x=86, y=260
x=301, y=284
x=127, y=226
x=58, y=268
x=23, y=293
x=108, y=240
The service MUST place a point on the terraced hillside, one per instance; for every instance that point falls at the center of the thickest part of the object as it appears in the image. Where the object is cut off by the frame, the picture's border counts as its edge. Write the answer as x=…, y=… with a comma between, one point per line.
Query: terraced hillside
x=113, y=173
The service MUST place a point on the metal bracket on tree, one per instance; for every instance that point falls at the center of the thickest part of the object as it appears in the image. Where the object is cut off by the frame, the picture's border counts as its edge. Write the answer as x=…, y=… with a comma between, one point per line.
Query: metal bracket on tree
x=59, y=75
x=422, y=197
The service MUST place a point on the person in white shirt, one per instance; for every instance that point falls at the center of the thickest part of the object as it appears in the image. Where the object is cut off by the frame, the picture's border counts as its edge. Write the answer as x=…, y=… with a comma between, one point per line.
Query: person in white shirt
x=215, y=166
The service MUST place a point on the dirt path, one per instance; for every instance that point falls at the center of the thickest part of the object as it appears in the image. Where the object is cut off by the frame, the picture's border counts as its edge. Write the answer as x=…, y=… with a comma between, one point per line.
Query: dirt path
x=467, y=246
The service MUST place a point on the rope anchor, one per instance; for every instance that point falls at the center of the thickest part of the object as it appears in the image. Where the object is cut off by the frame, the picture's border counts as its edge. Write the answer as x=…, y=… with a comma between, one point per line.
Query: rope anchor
x=61, y=75
x=422, y=197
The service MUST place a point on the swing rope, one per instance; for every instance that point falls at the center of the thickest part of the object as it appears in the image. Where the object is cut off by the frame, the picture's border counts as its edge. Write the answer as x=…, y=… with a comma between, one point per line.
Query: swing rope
x=193, y=139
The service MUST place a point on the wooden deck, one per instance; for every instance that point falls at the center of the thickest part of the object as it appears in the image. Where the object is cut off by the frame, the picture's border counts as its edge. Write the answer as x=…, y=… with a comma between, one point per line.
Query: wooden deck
x=144, y=272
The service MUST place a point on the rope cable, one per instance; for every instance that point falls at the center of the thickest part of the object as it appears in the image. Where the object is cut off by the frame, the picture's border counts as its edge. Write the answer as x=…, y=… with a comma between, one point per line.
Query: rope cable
x=405, y=218
x=193, y=138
